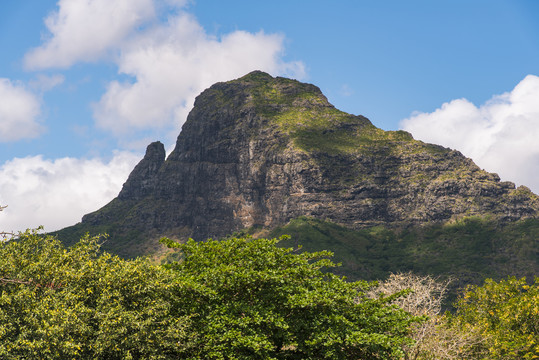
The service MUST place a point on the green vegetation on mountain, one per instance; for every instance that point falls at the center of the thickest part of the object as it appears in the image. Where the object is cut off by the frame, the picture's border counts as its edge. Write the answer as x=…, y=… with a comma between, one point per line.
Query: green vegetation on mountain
x=314, y=125
x=470, y=250
x=260, y=151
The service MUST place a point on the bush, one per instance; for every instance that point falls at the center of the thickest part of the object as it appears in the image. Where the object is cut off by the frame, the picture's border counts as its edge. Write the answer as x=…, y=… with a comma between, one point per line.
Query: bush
x=249, y=299
x=506, y=313
x=58, y=303
x=235, y=299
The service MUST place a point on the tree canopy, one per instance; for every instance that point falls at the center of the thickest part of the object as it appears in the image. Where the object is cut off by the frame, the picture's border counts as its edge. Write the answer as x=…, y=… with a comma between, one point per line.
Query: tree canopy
x=253, y=300
x=506, y=314
x=239, y=298
x=243, y=298
x=78, y=303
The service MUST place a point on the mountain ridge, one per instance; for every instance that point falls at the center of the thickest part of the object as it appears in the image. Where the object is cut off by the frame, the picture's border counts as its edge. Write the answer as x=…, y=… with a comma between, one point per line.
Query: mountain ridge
x=259, y=151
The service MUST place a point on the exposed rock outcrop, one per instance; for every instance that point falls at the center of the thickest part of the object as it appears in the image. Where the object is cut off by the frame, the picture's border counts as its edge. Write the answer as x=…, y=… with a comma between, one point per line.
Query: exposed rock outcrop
x=259, y=151
x=143, y=178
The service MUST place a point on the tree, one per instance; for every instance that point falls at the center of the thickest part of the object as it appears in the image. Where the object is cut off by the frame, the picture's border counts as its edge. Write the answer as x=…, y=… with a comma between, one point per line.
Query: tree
x=239, y=298
x=436, y=337
x=506, y=313
x=249, y=299
x=77, y=303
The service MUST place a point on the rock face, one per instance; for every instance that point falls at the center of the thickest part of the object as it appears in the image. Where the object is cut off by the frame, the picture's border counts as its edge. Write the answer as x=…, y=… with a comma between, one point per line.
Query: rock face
x=259, y=151
x=142, y=180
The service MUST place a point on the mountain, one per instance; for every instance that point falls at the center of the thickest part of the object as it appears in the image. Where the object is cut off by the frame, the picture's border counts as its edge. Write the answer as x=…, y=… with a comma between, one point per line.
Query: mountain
x=260, y=151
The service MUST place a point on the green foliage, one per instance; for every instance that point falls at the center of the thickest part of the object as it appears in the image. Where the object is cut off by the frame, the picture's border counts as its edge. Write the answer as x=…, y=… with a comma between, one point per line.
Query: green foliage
x=243, y=298
x=125, y=241
x=313, y=124
x=469, y=250
x=234, y=299
x=506, y=313
x=252, y=300
x=58, y=303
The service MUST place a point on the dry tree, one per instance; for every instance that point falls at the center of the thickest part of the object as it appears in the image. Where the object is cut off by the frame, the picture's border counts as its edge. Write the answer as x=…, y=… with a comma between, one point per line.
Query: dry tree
x=434, y=338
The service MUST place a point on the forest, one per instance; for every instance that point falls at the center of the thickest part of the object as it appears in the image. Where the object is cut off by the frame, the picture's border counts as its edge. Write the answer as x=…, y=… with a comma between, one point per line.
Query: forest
x=244, y=298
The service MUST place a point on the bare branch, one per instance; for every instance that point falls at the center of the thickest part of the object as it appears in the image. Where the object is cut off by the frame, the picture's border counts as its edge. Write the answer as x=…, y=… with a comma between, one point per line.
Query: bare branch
x=50, y=285
x=5, y=235
x=14, y=281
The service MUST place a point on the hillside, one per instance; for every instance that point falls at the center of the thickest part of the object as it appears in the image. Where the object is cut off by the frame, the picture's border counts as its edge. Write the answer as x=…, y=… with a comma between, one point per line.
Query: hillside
x=258, y=152
x=466, y=251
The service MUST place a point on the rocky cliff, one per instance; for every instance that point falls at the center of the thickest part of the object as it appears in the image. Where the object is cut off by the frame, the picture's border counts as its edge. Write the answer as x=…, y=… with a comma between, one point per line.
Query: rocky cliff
x=259, y=151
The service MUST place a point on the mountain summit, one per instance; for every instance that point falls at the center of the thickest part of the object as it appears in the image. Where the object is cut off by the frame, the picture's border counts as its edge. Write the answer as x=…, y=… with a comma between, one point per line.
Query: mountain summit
x=259, y=151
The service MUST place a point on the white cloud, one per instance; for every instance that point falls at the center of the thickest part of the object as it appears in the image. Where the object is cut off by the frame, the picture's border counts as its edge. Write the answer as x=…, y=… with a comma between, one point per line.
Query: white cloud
x=173, y=63
x=58, y=193
x=170, y=60
x=500, y=135
x=83, y=30
x=19, y=111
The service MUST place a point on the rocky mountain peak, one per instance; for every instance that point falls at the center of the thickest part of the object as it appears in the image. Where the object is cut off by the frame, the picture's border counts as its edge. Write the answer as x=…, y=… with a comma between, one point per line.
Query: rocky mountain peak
x=259, y=151
x=142, y=179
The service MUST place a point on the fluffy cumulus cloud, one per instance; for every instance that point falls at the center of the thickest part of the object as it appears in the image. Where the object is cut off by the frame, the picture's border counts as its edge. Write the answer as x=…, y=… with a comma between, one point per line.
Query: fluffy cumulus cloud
x=172, y=63
x=19, y=112
x=500, y=135
x=85, y=30
x=56, y=193
x=168, y=61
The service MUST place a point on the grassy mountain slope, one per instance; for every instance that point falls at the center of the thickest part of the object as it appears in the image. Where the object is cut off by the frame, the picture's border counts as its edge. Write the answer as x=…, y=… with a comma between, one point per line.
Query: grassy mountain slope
x=469, y=250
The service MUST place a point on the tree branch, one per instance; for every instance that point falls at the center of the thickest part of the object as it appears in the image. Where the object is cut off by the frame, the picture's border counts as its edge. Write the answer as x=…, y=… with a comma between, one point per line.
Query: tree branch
x=4, y=235
x=51, y=285
x=14, y=281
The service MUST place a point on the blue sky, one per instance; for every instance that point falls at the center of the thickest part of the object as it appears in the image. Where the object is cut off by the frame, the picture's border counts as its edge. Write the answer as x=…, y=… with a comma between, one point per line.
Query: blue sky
x=86, y=85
